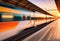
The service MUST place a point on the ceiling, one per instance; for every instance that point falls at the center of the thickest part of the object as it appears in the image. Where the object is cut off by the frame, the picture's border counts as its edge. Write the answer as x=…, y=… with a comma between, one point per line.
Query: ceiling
x=25, y=5
x=58, y=4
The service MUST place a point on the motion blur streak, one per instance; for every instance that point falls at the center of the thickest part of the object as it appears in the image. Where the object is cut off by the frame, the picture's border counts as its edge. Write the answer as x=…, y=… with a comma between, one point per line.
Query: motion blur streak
x=5, y=26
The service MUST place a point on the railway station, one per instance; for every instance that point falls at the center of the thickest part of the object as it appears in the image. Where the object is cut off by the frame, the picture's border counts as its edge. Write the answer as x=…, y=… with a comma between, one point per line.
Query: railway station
x=29, y=20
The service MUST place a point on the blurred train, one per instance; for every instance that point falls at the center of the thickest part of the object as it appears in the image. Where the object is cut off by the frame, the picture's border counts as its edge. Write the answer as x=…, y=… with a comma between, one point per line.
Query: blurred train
x=19, y=15
x=23, y=21
x=5, y=16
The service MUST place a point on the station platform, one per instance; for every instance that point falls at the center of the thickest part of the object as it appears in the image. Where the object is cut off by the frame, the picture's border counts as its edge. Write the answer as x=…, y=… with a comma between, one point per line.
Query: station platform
x=31, y=33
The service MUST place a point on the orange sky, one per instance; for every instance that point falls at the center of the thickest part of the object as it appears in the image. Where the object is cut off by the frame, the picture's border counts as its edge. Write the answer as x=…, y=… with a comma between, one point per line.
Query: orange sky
x=55, y=13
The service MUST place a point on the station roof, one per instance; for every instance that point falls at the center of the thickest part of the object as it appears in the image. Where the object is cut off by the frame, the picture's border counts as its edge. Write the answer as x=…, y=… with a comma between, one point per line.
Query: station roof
x=58, y=4
x=25, y=4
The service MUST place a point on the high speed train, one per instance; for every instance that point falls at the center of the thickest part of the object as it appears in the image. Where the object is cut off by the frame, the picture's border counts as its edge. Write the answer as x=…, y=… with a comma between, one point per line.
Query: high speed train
x=12, y=21
x=5, y=17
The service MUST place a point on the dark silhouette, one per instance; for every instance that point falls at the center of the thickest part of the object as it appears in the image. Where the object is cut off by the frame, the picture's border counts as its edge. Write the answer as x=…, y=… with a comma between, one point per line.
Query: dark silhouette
x=0, y=18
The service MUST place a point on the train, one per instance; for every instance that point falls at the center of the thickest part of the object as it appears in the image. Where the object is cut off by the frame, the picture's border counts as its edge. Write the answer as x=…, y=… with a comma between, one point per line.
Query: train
x=5, y=16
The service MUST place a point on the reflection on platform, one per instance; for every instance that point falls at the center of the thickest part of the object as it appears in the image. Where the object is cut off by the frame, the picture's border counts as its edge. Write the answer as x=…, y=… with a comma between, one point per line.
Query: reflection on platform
x=54, y=33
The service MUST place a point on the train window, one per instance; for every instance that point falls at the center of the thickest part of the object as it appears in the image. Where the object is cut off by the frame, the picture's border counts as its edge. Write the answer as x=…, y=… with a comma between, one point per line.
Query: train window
x=7, y=17
x=28, y=17
x=18, y=17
